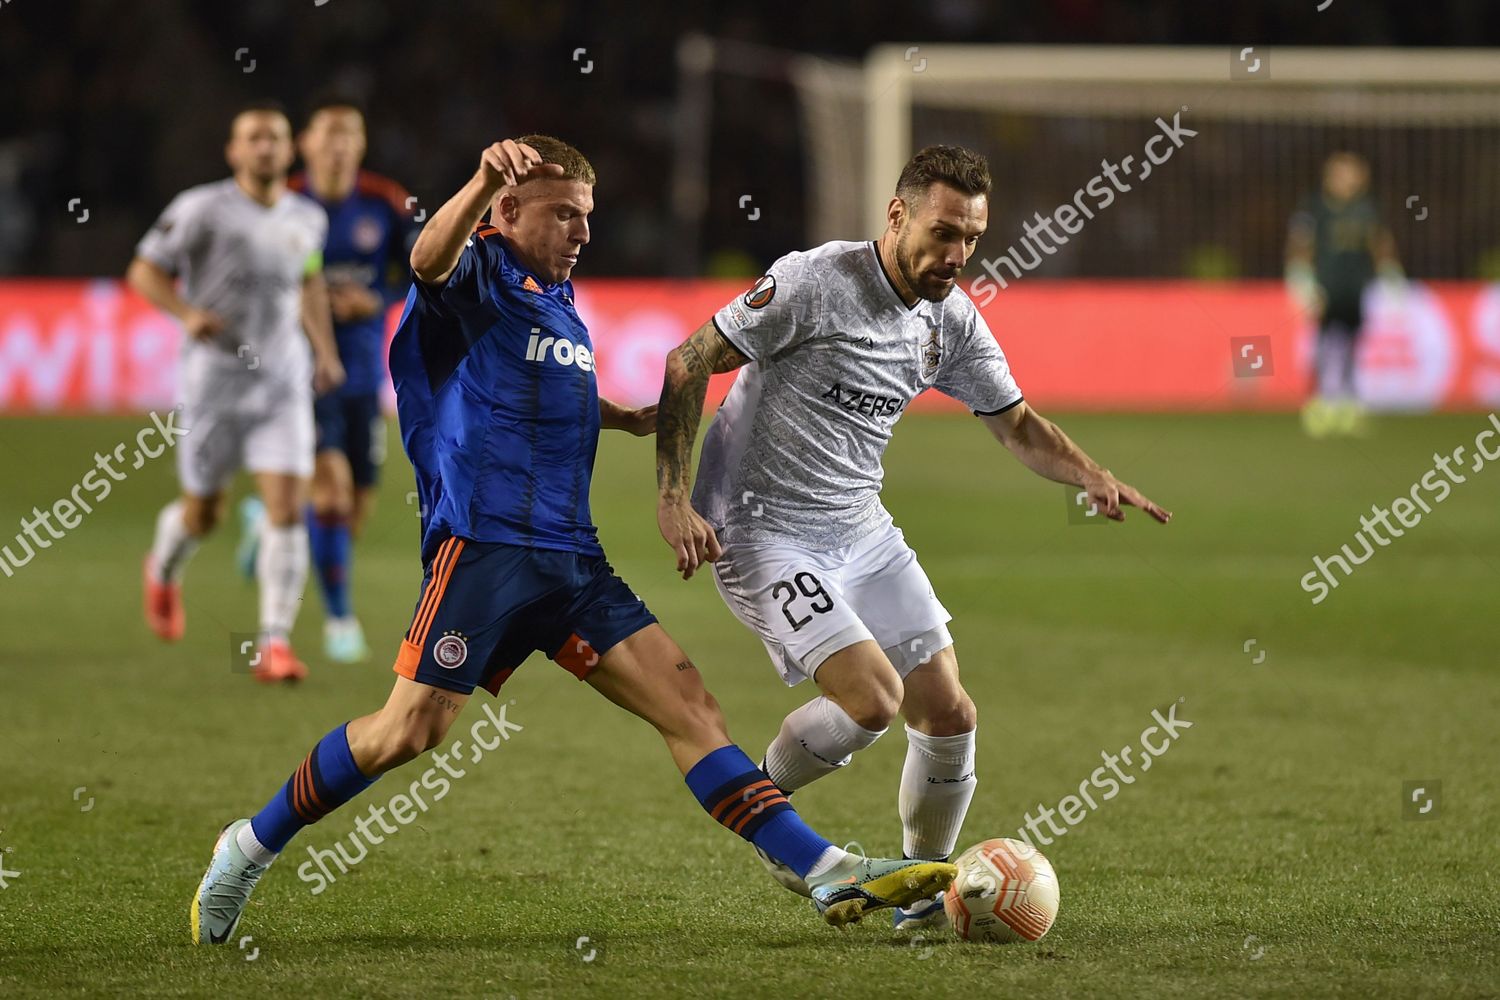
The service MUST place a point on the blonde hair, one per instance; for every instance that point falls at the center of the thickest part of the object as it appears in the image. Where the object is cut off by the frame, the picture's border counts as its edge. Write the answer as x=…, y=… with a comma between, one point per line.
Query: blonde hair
x=576, y=166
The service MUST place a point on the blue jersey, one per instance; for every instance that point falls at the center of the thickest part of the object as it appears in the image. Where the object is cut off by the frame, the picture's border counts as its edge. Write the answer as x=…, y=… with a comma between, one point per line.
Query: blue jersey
x=499, y=405
x=368, y=235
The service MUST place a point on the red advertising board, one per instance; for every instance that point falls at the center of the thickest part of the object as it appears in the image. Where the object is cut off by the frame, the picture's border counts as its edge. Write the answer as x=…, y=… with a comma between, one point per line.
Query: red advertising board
x=69, y=346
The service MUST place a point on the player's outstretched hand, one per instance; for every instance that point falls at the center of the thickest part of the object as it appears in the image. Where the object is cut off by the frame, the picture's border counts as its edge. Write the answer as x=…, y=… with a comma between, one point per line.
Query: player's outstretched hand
x=508, y=163
x=640, y=421
x=1107, y=494
x=201, y=324
x=691, y=537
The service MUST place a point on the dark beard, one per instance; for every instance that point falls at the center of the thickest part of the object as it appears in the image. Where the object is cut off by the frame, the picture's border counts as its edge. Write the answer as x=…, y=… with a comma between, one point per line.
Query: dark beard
x=910, y=276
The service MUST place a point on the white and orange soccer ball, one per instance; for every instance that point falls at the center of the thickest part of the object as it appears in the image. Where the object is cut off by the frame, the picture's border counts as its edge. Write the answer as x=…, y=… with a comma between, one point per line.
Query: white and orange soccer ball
x=1005, y=892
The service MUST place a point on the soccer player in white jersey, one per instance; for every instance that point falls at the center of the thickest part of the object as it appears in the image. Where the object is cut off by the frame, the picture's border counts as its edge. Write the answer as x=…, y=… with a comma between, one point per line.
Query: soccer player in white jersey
x=835, y=342
x=248, y=253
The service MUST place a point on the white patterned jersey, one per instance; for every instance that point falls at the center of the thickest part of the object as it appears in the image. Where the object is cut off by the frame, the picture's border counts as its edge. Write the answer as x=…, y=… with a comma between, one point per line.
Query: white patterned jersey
x=836, y=356
x=245, y=262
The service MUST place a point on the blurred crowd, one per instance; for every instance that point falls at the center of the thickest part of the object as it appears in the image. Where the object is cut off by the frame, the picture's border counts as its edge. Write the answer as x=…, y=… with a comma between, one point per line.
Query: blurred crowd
x=112, y=108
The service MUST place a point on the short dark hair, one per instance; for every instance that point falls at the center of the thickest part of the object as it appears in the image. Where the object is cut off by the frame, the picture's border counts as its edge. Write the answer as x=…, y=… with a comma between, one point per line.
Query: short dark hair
x=955, y=166
x=264, y=106
x=576, y=166
x=327, y=100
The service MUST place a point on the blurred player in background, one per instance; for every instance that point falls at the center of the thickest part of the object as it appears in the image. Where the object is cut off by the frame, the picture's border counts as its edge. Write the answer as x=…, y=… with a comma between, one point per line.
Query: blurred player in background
x=1336, y=245
x=500, y=415
x=364, y=265
x=249, y=253
x=835, y=342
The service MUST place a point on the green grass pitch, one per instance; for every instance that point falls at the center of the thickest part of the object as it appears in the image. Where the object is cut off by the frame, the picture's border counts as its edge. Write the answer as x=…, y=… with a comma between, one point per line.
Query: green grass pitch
x=1266, y=854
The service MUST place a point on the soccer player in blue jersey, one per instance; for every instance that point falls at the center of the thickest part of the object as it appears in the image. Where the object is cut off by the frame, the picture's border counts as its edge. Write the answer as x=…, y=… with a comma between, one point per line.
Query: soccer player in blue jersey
x=500, y=415
x=364, y=264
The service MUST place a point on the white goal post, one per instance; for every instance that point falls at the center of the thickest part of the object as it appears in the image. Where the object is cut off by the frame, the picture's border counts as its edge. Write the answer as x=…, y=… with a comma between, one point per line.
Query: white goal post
x=1375, y=89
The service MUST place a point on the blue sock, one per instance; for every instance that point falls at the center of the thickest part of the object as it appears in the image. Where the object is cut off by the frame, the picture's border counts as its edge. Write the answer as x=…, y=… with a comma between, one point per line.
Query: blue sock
x=326, y=780
x=740, y=796
x=330, y=542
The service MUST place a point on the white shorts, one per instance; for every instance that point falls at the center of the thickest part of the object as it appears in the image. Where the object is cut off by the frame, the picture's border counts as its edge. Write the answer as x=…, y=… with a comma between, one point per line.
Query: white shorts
x=222, y=439
x=807, y=605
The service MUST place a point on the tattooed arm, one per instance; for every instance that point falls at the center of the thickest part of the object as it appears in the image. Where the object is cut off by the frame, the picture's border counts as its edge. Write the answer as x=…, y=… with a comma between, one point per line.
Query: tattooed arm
x=678, y=414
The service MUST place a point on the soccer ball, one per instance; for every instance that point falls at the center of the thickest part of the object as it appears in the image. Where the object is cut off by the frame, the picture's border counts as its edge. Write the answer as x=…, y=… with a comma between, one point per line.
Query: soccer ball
x=1005, y=891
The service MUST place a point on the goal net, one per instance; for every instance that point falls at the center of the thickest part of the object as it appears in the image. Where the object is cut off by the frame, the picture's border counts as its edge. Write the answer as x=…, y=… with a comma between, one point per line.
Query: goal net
x=1427, y=121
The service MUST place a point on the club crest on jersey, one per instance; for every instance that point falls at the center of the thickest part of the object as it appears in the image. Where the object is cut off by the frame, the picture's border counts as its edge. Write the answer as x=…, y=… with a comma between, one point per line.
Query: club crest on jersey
x=932, y=352
x=761, y=293
x=451, y=650
x=366, y=234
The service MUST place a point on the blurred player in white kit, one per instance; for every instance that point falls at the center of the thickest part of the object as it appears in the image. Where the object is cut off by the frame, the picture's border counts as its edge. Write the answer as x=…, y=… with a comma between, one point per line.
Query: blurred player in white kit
x=259, y=342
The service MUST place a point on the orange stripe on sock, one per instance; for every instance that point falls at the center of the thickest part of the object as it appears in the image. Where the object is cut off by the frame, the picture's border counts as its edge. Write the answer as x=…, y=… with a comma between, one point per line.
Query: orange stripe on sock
x=745, y=803
x=317, y=807
x=753, y=808
x=728, y=803
x=296, y=799
x=299, y=791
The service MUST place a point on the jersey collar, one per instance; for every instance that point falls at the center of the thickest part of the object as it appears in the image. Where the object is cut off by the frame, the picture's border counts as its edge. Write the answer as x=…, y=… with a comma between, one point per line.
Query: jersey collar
x=880, y=265
x=514, y=274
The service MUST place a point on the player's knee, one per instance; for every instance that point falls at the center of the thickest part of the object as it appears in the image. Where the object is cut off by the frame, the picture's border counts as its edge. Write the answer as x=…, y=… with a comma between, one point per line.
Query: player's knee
x=331, y=508
x=945, y=712
x=401, y=747
x=711, y=716
x=407, y=739
x=202, y=515
x=872, y=706
x=696, y=717
x=957, y=716
x=332, y=501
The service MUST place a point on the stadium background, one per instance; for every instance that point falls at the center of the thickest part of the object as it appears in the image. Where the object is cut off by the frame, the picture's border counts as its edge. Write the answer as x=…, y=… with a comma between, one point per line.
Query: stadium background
x=715, y=171
x=1273, y=854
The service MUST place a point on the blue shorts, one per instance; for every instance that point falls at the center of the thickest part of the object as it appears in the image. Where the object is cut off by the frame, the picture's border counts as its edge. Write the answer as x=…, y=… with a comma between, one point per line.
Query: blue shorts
x=487, y=606
x=354, y=425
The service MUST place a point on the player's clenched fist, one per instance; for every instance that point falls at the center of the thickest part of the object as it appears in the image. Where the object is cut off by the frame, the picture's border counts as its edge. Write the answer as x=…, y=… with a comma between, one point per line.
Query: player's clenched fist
x=691, y=537
x=508, y=163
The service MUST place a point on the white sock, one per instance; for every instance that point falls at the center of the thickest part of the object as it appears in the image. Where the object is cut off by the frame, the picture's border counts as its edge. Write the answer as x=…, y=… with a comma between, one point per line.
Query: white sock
x=937, y=784
x=172, y=546
x=281, y=569
x=830, y=859
x=253, y=848
x=815, y=740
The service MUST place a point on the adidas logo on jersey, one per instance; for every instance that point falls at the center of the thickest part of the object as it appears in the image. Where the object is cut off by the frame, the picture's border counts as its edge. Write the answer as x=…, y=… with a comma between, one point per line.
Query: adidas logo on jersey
x=564, y=352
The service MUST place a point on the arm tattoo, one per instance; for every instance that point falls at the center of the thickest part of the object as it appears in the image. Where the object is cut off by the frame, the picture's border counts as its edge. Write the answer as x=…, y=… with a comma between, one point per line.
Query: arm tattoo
x=680, y=409
x=442, y=699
